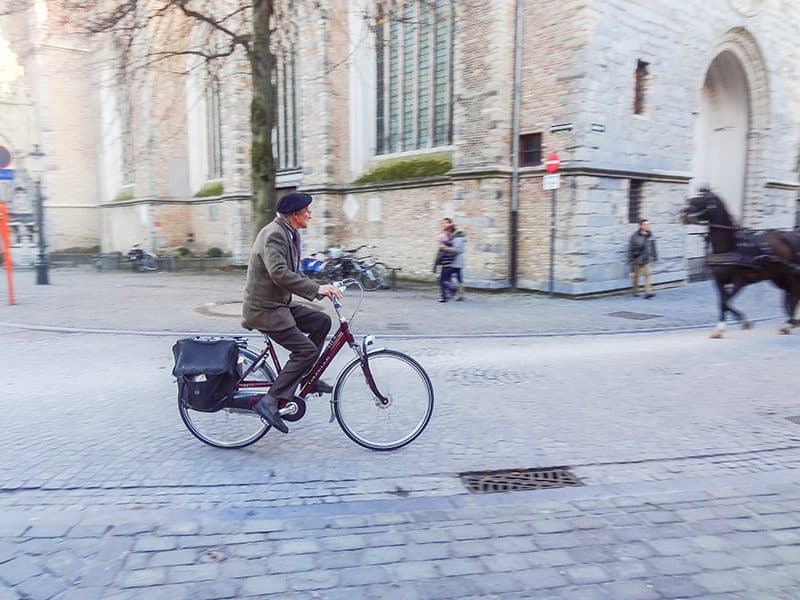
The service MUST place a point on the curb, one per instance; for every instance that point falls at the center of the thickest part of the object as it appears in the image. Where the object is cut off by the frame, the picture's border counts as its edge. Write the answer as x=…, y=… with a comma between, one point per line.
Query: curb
x=390, y=336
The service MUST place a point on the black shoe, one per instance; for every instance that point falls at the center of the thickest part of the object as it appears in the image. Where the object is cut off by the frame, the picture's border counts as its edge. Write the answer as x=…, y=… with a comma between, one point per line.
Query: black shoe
x=442, y=300
x=267, y=407
x=648, y=296
x=322, y=387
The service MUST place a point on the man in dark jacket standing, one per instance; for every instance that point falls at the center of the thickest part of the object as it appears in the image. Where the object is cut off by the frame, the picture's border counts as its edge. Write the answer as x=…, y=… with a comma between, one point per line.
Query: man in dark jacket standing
x=273, y=275
x=642, y=252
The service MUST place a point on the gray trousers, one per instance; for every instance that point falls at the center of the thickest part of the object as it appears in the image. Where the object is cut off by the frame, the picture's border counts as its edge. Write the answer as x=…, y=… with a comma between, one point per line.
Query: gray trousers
x=304, y=349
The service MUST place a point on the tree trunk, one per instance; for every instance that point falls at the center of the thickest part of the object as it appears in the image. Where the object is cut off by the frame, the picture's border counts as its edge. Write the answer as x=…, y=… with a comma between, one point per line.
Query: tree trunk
x=262, y=116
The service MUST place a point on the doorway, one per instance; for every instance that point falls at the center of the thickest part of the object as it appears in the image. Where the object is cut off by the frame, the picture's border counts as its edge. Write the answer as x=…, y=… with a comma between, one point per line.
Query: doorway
x=721, y=132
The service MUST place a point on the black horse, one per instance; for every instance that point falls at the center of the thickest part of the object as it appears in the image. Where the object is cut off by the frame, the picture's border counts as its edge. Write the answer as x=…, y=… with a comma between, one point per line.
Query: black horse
x=740, y=257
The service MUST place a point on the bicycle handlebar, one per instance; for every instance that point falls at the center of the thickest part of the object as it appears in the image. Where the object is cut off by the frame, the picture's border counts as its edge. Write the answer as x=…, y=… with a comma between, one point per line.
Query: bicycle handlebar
x=342, y=287
x=357, y=249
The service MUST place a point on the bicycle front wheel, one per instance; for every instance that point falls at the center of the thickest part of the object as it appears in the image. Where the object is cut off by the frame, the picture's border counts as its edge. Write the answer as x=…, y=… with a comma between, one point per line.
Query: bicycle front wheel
x=234, y=426
x=366, y=420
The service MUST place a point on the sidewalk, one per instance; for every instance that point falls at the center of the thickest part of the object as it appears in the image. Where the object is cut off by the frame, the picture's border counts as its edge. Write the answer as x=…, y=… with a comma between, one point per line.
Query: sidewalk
x=169, y=303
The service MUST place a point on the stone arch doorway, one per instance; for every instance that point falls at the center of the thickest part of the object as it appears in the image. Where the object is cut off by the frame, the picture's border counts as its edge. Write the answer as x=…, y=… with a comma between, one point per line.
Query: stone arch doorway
x=732, y=125
x=721, y=131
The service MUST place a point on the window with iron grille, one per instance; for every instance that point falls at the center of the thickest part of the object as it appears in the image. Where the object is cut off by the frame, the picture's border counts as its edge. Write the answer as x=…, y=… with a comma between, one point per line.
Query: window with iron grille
x=414, y=43
x=530, y=149
x=797, y=216
x=285, y=148
x=641, y=81
x=213, y=130
x=635, y=200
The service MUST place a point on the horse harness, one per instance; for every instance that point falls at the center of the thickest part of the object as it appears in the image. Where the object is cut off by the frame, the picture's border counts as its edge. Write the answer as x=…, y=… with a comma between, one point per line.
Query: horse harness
x=751, y=251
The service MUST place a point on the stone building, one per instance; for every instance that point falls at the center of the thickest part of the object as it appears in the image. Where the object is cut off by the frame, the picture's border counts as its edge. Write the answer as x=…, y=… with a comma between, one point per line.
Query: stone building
x=46, y=103
x=643, y=102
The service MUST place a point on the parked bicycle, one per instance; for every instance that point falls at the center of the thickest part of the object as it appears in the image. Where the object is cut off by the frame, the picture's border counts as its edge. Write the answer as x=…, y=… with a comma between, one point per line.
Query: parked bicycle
x=142, y=260
x=370, y=273
x=335, y=264
x=382, y=399
x=320, y=267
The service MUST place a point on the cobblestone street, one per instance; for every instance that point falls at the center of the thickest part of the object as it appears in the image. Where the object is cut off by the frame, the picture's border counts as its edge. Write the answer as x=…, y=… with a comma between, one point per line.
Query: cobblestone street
x=683, y=444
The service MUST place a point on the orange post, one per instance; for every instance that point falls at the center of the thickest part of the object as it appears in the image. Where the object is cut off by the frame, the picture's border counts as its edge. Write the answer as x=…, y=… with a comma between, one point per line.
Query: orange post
x=6, y=251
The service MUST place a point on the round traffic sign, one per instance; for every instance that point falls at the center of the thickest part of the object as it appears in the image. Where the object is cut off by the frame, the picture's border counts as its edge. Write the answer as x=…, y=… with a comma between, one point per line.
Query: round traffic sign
x=5, y=157
x=551, y=162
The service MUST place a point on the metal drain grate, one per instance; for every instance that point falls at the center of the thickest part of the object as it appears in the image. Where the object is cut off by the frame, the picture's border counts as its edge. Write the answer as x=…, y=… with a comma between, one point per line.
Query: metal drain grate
x=636, y=316
x=512, y=480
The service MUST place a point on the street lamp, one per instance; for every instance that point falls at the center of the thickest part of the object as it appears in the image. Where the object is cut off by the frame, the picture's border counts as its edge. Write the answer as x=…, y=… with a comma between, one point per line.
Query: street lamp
x=37, y=168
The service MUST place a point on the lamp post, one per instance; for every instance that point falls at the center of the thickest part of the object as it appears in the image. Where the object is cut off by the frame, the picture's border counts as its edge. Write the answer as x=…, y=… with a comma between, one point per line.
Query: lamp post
x=37, y=168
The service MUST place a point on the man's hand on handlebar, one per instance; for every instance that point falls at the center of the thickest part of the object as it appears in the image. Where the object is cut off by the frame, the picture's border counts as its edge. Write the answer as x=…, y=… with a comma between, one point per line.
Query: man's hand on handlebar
x=329, y=291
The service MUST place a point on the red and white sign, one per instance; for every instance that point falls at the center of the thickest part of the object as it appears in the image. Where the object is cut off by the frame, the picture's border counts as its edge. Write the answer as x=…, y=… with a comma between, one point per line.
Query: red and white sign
x=551, y=162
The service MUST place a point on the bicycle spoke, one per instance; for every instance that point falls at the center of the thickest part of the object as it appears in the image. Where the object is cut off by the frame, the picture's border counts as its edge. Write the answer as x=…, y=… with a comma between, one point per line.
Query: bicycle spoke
x=230, y=427
x=372, y=424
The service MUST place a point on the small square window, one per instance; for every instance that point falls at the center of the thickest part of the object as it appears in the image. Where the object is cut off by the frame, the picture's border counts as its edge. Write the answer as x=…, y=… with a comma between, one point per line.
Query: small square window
x=530, y=150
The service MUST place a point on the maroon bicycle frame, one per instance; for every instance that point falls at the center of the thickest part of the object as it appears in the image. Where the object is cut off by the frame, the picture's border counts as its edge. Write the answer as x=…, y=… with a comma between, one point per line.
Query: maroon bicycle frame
x=342, y=336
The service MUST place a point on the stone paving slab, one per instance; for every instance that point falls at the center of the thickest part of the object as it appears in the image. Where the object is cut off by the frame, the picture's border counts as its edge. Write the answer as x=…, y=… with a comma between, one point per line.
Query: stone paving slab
x=635, y=541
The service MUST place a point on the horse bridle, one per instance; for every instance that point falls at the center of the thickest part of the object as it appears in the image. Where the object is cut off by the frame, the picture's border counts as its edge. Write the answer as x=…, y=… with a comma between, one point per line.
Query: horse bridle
x=707, y=222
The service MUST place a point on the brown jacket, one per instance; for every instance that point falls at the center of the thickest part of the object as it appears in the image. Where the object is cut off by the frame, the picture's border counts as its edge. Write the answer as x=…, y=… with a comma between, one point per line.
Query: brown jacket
x=272, y=277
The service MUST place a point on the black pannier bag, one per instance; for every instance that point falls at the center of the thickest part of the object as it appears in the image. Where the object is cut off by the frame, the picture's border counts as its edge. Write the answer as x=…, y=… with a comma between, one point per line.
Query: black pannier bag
x=206, y=371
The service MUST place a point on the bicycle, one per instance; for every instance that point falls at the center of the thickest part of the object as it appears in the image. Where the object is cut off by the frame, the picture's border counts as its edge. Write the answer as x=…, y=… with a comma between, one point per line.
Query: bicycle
x=377, y=392
x=370, y=273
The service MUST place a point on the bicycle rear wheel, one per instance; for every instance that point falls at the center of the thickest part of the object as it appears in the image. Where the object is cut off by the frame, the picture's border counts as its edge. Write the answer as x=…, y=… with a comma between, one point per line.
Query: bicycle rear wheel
x=234, y=426
x=368, y=422
x=373, y=277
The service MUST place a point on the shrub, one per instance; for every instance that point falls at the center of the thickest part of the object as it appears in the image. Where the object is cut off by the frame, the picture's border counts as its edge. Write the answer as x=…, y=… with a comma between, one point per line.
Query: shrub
x=211, y=188
x=124, y=195
x=393, y=169
x=214, y=252
x=80, y=250
x=183, y=252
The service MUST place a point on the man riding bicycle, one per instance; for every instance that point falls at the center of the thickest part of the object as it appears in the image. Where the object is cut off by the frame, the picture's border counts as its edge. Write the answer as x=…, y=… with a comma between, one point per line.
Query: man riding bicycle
x=273, y=275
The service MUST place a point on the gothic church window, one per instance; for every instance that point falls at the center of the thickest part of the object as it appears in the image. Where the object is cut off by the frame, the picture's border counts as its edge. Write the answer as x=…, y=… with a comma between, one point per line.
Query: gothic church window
x=414, y=76
x=214, y=130
x=285, y=147
x=125, y=113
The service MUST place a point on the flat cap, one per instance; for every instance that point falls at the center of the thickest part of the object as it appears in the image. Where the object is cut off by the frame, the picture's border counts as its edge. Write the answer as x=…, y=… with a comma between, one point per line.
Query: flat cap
x=293, y=202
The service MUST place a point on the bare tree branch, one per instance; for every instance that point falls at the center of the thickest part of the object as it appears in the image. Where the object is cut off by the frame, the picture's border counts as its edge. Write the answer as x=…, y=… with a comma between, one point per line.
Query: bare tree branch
x=244, y=39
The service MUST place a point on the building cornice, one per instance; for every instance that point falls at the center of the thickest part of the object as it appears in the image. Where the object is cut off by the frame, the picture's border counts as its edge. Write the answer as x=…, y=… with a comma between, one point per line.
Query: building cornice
x=783, y=185
x=156, y=200
x=416, y=182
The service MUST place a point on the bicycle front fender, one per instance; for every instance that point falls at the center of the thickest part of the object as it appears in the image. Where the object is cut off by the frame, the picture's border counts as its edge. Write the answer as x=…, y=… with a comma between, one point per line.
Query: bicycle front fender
x=363, y=360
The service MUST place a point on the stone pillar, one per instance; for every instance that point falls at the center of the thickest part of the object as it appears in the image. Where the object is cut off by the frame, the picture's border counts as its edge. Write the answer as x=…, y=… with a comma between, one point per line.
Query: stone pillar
x=482, y=103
